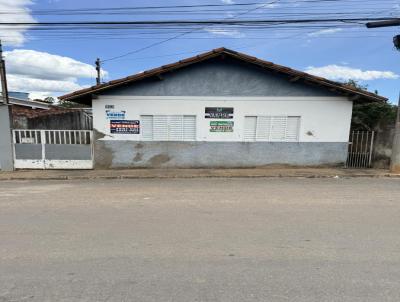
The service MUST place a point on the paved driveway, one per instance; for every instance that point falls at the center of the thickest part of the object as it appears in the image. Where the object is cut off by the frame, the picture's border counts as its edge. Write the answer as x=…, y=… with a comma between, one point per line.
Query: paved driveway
x=200, y=240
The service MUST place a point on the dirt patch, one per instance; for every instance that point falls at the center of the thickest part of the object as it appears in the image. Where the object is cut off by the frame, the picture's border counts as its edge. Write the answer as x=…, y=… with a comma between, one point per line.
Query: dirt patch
x=138, y=157
x=159, y=160
x=103, y=156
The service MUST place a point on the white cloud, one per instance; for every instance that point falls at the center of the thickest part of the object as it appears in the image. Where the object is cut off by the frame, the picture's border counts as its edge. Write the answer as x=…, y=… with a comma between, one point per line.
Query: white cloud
x=322, y=32
x=27, y=84
x=46, y=66
x=344, y=73
x=225, y=32
x=43, y=73
x=15, y=11
x=228, y=1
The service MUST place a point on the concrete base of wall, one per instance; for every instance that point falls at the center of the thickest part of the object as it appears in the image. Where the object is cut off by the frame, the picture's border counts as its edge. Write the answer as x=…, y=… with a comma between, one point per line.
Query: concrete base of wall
x=128, y=154
x=6, y=153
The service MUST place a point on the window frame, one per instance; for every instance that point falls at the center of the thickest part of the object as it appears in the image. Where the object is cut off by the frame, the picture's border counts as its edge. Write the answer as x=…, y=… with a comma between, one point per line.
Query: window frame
x=170, y=123
x=269, y=119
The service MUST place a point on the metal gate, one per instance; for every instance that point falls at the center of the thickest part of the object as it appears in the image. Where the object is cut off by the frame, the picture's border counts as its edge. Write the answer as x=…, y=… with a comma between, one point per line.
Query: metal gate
x=361, y=148
x=53, y=149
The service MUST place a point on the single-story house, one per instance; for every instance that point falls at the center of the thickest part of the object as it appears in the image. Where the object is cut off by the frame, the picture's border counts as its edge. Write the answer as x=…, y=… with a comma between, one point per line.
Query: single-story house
x=221, y=109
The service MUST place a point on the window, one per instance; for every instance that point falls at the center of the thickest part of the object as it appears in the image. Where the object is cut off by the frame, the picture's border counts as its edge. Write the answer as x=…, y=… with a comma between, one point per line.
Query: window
x=168, y=127
x=272, y=128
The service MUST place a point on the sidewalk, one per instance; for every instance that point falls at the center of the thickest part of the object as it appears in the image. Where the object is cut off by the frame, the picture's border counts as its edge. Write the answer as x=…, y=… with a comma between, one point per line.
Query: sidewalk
x=269, y=172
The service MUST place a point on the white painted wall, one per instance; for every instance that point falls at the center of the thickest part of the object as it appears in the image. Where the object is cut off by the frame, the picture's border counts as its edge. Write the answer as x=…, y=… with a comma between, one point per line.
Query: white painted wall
x=328, y=118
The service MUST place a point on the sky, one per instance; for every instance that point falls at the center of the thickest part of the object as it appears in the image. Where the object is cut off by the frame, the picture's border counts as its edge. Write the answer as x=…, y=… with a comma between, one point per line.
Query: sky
x=54, y=62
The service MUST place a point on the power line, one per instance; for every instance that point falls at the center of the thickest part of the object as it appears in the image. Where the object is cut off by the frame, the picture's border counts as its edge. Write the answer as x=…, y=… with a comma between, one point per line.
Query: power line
x=198, y=22
x=197, y=6
x=181, y=35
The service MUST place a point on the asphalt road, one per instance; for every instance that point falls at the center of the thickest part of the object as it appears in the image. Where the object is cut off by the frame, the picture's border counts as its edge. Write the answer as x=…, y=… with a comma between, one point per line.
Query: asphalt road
x=200, y=240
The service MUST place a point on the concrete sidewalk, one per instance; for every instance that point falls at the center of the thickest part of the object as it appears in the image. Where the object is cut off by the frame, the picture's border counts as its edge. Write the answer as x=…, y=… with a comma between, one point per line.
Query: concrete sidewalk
x=269, y=172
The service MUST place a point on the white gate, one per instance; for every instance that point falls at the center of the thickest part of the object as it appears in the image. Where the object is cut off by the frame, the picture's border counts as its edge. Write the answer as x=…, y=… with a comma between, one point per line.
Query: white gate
x=361, y=148
x=53, y=149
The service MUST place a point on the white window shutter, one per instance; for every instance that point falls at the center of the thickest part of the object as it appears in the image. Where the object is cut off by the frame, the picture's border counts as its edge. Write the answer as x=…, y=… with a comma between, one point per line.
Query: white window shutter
x=160, y=128
x=168, y=127
x=175, y=128
x=263, y=128
x=293, y=129
x=250, y=128
x=278, y=128
x=189, y=127
x=147, y=127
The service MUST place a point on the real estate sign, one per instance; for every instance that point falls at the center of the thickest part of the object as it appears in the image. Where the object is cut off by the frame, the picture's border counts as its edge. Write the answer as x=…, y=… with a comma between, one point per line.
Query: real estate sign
x=219, y=113
x=221, y=126
x=125, y=127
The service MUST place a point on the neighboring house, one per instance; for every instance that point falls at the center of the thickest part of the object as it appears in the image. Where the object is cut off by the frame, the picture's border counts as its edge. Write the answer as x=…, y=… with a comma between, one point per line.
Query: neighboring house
x=28, y=114
x=221, y=109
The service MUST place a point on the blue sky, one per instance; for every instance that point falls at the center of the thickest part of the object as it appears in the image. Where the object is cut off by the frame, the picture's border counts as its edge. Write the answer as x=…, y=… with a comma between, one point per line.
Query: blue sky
x=54, y=63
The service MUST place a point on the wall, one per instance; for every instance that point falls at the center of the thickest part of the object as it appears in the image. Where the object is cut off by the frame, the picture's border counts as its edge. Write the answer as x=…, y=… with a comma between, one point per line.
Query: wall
x=323, y=119
x=6, y=153
x=129, y=154
x=383, y=145
x=76, y=120
x=220, y=77
x=324, y=132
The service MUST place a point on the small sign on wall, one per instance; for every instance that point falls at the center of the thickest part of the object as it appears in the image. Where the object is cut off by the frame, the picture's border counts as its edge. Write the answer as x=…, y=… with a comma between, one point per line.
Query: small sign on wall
x=125, y=127
x=114, y=115
x=219, y=113
x=221, y=126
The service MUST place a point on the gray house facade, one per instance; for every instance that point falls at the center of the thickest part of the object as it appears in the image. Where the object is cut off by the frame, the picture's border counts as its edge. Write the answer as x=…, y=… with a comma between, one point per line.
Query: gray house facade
x=221, y=109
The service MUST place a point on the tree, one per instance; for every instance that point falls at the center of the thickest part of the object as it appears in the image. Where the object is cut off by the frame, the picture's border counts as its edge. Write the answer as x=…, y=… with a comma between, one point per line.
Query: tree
x=356, y=84
x=68, y=104
x=371, y=116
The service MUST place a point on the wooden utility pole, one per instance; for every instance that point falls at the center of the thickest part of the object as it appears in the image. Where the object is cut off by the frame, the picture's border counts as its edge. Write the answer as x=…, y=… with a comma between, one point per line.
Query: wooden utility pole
x=98, y=69
x=3, y=77
x=395, y=160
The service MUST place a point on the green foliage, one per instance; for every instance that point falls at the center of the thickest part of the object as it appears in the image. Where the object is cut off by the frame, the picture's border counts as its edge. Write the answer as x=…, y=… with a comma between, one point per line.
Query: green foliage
x=49, y=100
x=356, y=84
x=373, y=116
x=67, y=104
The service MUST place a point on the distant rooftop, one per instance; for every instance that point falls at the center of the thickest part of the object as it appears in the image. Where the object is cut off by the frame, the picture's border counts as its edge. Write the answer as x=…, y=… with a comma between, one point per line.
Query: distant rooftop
x=19, y=95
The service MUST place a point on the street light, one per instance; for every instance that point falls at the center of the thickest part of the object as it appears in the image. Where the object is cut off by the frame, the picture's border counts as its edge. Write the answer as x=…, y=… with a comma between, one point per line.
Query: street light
x=396, y=42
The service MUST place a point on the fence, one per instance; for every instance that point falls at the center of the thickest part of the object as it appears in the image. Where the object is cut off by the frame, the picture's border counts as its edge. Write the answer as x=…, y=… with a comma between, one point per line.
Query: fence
x=53, y=149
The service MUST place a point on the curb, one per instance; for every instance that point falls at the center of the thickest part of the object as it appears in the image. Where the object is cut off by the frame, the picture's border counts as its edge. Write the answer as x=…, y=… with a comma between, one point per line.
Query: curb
x=122, y=177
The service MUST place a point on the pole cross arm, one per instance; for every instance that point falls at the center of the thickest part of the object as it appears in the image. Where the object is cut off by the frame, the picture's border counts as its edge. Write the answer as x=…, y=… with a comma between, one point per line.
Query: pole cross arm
x=394, y=22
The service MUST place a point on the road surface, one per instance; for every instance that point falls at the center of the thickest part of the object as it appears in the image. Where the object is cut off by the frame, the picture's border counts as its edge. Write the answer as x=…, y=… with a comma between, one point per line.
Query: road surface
x=200, y=240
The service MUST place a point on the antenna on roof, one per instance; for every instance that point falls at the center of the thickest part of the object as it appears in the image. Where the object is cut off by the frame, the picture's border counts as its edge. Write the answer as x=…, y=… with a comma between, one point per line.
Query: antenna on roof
x=98, y=69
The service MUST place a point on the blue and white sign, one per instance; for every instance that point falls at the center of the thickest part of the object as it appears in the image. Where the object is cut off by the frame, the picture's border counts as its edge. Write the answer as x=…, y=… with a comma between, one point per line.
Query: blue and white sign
x=115, y=115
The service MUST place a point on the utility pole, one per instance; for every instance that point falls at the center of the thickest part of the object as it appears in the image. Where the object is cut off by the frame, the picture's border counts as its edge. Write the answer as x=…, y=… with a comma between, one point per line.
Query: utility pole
x=98, y=69
x=395, y=160
x=4, y=88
